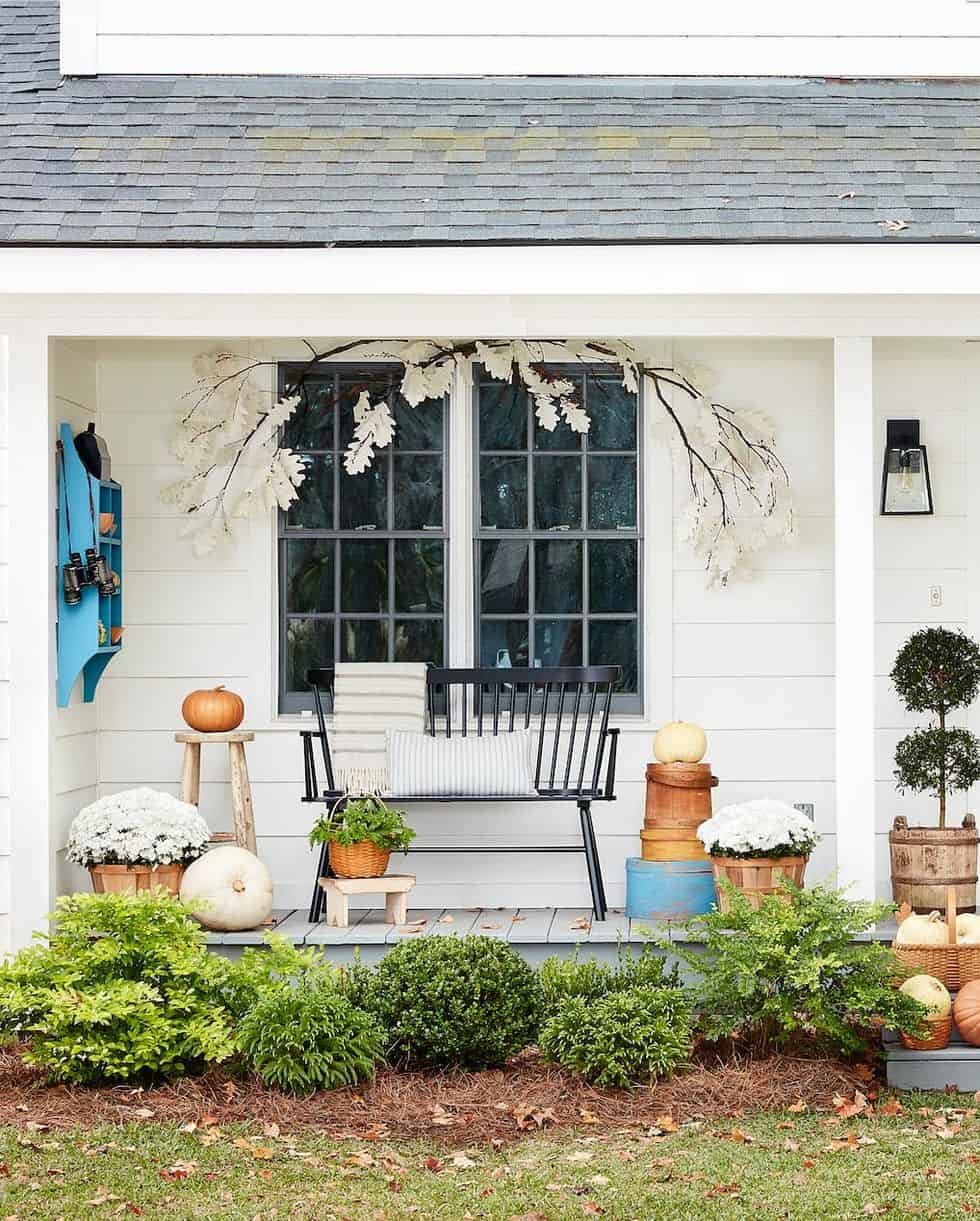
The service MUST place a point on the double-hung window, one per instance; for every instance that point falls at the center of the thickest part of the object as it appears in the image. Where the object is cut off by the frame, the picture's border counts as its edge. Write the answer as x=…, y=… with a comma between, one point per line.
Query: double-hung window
x=362, y=558
x=558, y=539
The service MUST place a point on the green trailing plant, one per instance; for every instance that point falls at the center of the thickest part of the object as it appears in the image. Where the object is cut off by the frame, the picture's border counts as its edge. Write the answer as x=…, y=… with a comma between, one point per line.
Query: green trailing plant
x=121, y=989
x=937, y=670
x=630, y=1037
x=565, y=978
x=454, y=1002
x=793, y=968
x=306, y=1036
x=364, y=818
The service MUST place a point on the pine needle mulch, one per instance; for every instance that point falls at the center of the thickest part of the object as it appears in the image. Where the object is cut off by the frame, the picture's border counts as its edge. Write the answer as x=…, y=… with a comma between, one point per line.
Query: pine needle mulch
x=454, y=1108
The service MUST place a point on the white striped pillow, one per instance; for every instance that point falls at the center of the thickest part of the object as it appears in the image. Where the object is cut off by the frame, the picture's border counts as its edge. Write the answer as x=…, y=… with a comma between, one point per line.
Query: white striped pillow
x=499, y=765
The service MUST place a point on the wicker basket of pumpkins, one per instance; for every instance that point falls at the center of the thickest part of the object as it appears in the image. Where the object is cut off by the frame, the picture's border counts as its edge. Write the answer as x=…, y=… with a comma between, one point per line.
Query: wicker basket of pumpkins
x=948, y=950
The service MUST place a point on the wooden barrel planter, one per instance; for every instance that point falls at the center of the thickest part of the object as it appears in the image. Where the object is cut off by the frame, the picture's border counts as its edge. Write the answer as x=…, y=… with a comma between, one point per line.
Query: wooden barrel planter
x=678, y=802
x=757, y=877
x=925, y=860
x=131, y=879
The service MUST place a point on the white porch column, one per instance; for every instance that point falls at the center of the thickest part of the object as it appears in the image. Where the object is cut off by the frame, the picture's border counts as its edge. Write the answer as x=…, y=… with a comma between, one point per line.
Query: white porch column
x=854, y=608
x=30, y=490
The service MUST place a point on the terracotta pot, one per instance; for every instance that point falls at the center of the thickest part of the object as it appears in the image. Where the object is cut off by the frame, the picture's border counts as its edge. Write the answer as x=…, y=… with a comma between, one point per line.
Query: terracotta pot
x=925, y=860
x=130, y=879
x=757, y=876
x=360, y=860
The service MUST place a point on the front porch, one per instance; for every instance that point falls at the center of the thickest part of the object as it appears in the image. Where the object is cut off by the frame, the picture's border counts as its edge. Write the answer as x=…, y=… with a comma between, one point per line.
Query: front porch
x=787, y=670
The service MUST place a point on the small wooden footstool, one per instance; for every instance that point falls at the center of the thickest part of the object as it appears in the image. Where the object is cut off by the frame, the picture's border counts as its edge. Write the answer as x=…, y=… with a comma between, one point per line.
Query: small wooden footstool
x=394, y=887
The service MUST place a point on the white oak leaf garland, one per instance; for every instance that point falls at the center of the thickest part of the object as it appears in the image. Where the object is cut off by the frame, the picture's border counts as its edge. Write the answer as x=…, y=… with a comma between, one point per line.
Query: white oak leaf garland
x=228, y=436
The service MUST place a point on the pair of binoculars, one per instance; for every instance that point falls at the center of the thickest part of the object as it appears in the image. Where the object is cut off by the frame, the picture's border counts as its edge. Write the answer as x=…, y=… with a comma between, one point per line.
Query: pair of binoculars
x=94, y=571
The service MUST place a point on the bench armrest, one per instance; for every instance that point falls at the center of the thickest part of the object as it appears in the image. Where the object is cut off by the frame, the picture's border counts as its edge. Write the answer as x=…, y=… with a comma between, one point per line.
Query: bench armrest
x=611, y=765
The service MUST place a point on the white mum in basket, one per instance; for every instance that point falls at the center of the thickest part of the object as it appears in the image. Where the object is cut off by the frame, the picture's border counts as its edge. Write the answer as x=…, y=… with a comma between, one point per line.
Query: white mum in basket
x=137, y=827
x=763, y=827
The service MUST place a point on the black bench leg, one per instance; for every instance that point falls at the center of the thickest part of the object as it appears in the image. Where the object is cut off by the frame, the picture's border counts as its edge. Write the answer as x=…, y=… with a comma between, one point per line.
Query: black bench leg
x=592, y=861
x=322, y=870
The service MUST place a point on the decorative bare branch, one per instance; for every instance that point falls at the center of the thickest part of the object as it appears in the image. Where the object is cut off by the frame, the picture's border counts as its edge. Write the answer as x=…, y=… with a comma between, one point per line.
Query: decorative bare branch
x=229, y=436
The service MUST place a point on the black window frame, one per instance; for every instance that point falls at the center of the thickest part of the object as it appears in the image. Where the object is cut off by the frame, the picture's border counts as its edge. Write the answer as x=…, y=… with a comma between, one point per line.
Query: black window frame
x=290, y=701
x=630, y=703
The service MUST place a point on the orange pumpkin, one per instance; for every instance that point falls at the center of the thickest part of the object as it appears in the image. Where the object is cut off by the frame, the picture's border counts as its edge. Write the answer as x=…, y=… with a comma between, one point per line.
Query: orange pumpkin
x=214, y=711
x=966, y=1012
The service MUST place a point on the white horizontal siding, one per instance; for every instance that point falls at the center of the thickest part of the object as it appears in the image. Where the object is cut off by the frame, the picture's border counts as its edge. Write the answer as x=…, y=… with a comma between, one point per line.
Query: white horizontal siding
x=753, y=662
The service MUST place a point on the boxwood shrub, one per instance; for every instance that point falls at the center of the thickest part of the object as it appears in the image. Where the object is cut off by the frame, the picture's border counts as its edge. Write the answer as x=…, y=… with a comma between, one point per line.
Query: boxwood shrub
x=454, y=1002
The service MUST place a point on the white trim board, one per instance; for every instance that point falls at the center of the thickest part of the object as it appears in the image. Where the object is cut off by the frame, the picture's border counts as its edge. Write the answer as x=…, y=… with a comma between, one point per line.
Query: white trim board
x=895, y=268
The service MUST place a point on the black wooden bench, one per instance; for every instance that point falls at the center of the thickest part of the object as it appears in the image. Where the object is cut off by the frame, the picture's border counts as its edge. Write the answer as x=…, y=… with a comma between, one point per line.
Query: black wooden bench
x=575, y=754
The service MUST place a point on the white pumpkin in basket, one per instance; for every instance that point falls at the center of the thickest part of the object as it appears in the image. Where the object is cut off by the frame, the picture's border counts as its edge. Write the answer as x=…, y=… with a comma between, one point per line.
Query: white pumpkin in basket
x=228, y=889
x=929, y=991
x=923, y=930
x=968, y=929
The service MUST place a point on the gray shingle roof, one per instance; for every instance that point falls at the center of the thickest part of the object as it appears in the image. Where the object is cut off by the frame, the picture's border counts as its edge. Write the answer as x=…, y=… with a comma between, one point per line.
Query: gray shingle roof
x=186, y=159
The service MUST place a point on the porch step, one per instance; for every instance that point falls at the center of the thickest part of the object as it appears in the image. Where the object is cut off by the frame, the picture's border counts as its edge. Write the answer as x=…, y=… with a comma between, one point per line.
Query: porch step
x=956, y=1065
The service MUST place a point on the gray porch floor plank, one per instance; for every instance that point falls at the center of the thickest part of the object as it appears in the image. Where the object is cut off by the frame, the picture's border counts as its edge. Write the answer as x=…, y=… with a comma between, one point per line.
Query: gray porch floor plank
x=372, y=930
x=644, y=931
x=563, y=930
x=324, y=934
x=430, y=915
x=615, y=927
x=253, y=936
x=454, y=921
x=496, y=924
x=534, y=925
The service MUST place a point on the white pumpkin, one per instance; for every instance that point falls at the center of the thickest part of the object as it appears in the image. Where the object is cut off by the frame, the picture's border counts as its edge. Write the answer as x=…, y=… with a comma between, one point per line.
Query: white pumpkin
x=968, y=929
x=680, y=742
x=228, y=889
x=923, y=930
x=930, y=992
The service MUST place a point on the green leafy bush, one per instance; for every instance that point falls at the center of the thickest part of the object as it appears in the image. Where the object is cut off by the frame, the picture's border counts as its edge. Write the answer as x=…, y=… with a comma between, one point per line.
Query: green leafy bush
x=467, y=1002
x=308, y=1036
x=793, y=968
x=259, y=971
x=364, y=818
x=123, y=990
x=633, y=1037
x=564, y=978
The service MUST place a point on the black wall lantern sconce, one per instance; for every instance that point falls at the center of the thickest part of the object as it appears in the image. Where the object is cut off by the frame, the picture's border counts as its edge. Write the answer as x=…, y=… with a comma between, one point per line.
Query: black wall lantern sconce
x=905, y=486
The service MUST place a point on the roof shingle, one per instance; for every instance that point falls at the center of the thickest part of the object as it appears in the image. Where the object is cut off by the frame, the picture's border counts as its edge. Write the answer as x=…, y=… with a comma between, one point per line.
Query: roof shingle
x=457, y=160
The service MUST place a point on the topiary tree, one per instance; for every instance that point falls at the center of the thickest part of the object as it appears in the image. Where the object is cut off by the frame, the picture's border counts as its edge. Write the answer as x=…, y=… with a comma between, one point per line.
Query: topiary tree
x=937, y=670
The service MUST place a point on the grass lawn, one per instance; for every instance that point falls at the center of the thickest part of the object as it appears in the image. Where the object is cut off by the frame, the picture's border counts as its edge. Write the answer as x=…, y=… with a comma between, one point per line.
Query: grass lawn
x=921, y=1162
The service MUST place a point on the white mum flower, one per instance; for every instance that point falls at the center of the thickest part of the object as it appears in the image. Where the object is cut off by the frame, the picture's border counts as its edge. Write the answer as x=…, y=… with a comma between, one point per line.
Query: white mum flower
x=137, y=827
x=756, y=827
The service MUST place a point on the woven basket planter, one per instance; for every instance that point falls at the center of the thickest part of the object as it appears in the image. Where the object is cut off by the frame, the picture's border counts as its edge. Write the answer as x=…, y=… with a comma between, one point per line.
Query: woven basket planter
x=953, y=965
x=940, y=1030
x=131, y=879
x=360, y=860
x=756, y=877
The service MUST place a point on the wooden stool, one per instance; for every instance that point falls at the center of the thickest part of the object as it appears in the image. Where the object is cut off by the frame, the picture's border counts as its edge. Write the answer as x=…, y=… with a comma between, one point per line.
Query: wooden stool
x=395, y=889
x=241, y=792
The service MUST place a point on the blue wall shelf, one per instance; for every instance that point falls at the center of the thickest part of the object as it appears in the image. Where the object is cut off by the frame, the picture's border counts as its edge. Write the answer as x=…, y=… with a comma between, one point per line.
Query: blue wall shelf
x=82, y=498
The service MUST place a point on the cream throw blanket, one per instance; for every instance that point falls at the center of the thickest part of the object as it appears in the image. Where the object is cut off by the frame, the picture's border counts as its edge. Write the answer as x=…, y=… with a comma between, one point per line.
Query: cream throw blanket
x=369, y=699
